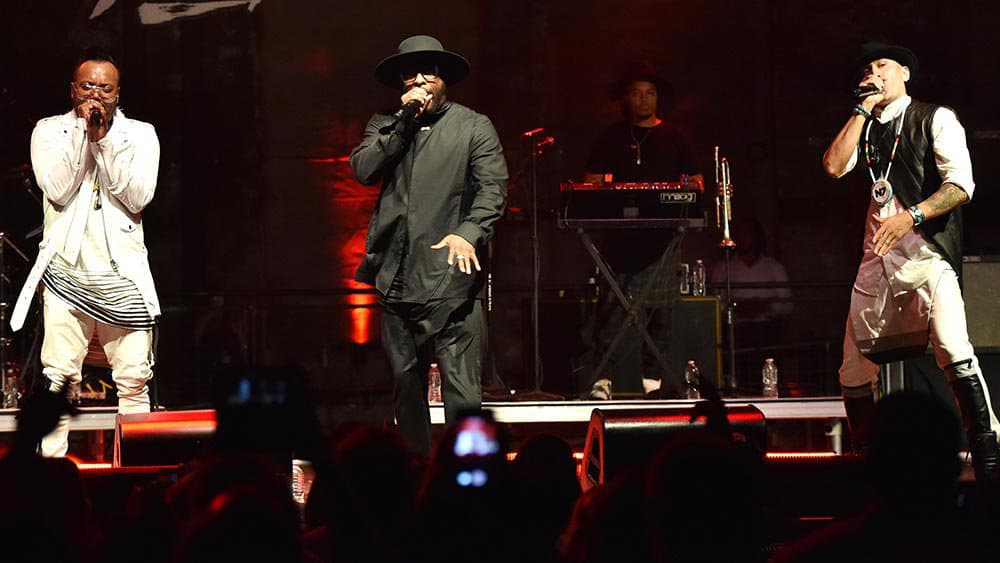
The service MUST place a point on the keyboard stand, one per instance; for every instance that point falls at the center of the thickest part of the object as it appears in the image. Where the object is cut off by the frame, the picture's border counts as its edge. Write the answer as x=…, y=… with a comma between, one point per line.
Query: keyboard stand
x=634, y=312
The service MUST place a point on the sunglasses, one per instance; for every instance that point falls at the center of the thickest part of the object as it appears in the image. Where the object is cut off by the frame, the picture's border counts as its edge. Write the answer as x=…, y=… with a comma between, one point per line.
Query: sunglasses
x=429, y=72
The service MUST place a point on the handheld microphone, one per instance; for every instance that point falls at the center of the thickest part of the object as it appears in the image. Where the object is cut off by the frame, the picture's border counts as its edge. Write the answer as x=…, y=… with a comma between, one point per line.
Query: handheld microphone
x=408, y=110
x=95, y=117
x=865, y=91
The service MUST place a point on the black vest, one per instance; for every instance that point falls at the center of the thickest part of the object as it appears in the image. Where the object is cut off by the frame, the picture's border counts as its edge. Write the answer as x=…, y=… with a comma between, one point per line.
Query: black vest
x=914, y=175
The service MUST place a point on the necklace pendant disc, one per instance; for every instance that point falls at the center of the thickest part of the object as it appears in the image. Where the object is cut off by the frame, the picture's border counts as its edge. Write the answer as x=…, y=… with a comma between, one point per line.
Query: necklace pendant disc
x=881, y=192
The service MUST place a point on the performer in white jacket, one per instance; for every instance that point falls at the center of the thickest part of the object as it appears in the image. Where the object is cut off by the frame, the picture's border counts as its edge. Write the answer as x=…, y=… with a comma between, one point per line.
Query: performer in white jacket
x=98, y=170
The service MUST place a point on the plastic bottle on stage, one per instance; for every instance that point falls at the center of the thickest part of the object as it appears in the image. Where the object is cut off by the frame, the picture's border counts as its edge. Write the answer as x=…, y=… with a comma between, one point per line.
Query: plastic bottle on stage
x=11, y=394
x=684, y=273
x=698, y=277
x=769, y=379
x=691, y=373
x=434, y=384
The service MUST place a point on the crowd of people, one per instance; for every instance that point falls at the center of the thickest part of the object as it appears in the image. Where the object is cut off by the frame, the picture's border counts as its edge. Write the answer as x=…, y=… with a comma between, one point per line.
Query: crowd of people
x=700, y=498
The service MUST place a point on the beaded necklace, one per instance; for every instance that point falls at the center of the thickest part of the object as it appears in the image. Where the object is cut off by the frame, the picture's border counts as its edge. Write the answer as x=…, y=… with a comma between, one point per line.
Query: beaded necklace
x=881, y=188
x=892, y=154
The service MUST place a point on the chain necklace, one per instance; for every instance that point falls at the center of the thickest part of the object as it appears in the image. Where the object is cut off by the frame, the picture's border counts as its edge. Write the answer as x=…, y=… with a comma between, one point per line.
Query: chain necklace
x=637, y=143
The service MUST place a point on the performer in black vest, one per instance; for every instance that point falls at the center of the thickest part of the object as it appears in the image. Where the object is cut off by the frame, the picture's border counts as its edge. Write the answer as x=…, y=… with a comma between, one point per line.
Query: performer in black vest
x=443, y=186
x=907, y=289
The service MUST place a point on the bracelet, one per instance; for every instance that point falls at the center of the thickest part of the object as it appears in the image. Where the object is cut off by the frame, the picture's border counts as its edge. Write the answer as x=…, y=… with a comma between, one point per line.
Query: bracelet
x=859, y=110
x=917, y=214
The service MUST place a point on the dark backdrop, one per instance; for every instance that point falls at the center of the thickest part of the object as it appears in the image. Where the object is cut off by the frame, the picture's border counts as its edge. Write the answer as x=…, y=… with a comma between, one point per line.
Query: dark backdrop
x=258, y=224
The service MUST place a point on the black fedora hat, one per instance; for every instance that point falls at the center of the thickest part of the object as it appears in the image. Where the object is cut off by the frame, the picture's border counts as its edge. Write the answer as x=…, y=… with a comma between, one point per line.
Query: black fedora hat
x=421, y=49
x=873, y=50
x=637, y=71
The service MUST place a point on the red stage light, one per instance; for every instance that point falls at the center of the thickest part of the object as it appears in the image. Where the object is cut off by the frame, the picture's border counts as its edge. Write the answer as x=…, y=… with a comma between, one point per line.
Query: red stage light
x=800, y=455
x=361, y=317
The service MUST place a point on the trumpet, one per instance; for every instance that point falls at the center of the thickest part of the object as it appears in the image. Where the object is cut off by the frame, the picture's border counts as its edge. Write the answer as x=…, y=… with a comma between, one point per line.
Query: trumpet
x=723, y=199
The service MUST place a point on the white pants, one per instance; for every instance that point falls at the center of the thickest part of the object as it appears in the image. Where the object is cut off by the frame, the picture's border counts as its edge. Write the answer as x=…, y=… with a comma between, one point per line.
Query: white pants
x=68, y=332
x=949, y=338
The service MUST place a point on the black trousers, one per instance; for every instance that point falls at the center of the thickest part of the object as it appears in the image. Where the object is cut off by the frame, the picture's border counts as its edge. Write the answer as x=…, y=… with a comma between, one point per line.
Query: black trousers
x=415, y=335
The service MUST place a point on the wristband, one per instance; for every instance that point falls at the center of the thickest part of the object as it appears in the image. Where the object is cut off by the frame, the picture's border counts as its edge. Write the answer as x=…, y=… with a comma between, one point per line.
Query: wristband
x=917, y=214
x=859, y=110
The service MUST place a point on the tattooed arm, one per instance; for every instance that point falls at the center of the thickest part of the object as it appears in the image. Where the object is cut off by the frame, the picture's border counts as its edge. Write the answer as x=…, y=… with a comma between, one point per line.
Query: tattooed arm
x=948, y=197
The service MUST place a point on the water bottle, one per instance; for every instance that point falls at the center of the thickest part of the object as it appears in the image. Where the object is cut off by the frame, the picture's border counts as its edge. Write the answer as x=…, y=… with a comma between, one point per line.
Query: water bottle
x=691, y=373
x=11, y=393
x=434, y=384
x=303, y=475
x=684, y=273
x=769, y=377
x=698, y=286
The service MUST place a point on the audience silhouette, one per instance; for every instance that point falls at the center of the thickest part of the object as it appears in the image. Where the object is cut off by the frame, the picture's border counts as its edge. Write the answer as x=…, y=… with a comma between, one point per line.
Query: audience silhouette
x=373, y=501
x=43, y=505
x=914, y=515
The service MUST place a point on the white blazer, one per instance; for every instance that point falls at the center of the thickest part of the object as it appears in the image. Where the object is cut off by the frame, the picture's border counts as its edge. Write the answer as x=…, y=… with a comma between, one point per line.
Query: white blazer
x=127, y=160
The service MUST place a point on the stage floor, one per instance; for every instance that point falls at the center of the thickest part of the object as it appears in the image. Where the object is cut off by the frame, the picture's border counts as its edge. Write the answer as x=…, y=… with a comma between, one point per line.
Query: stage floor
x=579, y=411
x=794, y=425
x=528, y=412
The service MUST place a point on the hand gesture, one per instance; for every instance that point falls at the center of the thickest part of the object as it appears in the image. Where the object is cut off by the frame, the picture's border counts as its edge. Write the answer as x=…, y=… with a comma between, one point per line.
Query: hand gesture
x=460, y=251
x=890, y=230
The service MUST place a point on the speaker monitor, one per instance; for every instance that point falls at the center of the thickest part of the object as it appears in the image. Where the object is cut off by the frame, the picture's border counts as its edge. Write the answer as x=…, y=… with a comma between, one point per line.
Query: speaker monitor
x=981, y=281
x=619, y=439
x=162, y=438
x=696, y=334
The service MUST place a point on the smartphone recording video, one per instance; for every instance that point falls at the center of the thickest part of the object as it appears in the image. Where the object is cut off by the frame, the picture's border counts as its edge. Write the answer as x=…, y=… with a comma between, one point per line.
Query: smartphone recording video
x=477, y=451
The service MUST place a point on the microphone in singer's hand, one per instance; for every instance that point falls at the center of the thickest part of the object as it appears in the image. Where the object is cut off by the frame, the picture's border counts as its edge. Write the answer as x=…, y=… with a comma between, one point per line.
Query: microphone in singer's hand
x=408, y=110
x=95, y=117
x=865, y=91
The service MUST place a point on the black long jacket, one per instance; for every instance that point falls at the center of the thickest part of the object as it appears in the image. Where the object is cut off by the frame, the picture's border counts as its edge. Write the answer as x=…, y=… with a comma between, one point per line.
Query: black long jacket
x=444, y=175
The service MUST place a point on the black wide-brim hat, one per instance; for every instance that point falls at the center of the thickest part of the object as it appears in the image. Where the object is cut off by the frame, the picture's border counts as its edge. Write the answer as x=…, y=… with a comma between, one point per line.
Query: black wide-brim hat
x=419, y=50
x=635, y=72
x=873, y=51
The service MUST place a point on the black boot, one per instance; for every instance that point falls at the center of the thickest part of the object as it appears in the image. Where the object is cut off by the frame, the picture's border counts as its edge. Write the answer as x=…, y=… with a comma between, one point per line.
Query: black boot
x=859, y=403
x=985, y=458
x=968, y=388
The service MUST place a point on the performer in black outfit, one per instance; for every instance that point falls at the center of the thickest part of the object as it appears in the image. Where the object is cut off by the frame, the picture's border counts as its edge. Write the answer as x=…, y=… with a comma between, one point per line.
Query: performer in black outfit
x=643, y=147
x=444, y=185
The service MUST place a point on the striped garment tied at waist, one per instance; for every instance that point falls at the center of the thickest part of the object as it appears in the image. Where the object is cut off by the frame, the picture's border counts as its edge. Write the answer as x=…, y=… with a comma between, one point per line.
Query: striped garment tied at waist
x=106, y=296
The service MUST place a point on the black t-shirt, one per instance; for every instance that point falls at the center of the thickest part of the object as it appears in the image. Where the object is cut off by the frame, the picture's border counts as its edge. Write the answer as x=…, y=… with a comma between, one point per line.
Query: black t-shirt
x=665, y=153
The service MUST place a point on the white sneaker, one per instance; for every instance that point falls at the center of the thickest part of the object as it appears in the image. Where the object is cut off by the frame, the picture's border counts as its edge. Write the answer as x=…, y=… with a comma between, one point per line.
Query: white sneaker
x=650, y=385
x=601, y=391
